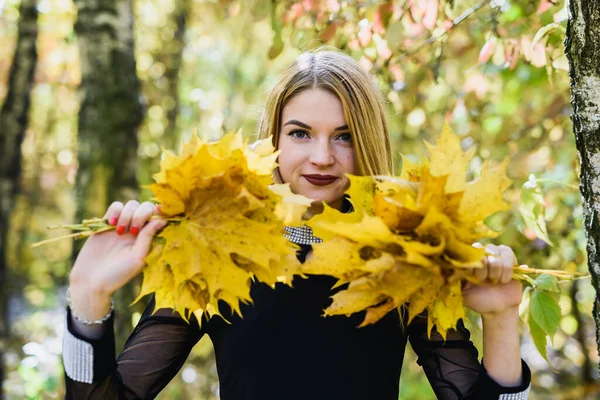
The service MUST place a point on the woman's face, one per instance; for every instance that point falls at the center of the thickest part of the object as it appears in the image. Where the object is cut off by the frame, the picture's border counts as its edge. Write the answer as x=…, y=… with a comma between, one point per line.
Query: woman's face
x=316, y=147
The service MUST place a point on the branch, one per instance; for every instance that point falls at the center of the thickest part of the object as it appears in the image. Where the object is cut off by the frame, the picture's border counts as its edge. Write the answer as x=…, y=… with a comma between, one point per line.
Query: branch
x=455, y=23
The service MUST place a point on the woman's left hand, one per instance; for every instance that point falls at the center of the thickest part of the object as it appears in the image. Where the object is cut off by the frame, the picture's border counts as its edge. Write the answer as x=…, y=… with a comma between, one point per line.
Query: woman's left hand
x=497, y=292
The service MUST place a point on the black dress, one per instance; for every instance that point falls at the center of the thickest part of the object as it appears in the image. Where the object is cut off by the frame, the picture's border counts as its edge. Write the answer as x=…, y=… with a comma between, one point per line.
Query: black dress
x=282, y=348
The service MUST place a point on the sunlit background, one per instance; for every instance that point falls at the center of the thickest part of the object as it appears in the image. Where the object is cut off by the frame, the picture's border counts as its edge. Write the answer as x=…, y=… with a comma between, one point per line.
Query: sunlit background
x=207, y=65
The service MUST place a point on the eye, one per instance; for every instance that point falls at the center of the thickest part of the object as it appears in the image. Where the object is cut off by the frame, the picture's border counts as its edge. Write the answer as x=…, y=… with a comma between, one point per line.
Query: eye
x=345, y=137
x=298, y=134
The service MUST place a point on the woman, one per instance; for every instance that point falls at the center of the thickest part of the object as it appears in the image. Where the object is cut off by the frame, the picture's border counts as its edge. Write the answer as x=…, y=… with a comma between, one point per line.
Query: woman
x=327, y=118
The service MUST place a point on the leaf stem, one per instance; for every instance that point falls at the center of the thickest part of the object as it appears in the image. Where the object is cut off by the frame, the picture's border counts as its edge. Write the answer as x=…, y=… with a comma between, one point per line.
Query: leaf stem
x=89, y=227
x=455, y=23
x=557, y=183
x=526, y=278
x=524, y=269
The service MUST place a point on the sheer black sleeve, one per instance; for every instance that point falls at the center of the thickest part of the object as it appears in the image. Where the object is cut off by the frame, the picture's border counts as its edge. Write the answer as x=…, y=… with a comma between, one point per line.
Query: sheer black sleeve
x=453, y=369
x=152, y=356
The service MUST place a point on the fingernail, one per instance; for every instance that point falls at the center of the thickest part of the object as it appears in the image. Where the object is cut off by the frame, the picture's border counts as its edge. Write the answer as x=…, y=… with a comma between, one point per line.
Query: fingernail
x=113, y=221
x=134, y=230
x=120, y=229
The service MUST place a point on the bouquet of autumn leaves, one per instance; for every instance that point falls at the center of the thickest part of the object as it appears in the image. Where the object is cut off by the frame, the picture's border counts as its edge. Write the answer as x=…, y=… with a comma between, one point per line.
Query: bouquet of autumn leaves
x=228, y=223
x=407, y=243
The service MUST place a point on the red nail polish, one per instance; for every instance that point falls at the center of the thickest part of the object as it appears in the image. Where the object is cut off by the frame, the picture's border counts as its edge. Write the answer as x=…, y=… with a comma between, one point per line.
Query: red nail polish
x=120, y=229
x=134, y=230
x=113, y=221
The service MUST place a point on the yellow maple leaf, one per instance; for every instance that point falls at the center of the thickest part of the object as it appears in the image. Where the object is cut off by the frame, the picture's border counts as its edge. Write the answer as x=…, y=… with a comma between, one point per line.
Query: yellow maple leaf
x=447, y=159
x=410, y=170
x=398, y=214
x=329, y=216
x=392, y=186
x=483, y=196
x=361, y=191
x=447, y=309
x=386, y=284
x=261, y=156
x=432, y=192
x=370, y=230
x=412, y=243
x=336, y=257
x=293, y=208
x=226, y=227
x=348, y=302
x=425, y=296
x=395, y=203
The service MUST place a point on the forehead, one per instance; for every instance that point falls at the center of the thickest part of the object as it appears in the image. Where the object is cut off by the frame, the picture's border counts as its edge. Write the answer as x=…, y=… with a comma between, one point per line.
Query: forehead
x=315, y=107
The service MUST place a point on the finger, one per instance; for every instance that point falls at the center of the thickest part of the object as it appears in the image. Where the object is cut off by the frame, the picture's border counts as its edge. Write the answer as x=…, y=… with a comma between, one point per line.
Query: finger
x=495, y=269
x=508, y=262
x=482, y=273
x=141, y=215
x=492, y=249
x=491, y=260
x=144, y=239
x=113, y=212
x=507, y=256
x=126, y=215
x=507, y=275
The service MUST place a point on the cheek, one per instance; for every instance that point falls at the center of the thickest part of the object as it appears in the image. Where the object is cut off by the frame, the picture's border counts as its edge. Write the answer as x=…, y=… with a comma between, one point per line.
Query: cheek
x=288, y=161
x=284, y=168
x=349, y=162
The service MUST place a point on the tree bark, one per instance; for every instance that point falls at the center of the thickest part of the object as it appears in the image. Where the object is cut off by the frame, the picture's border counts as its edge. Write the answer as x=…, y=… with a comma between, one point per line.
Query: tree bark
x=110, y=114
x=13, y=123
x=582, y=48
x=587, y=376
x=173, y=56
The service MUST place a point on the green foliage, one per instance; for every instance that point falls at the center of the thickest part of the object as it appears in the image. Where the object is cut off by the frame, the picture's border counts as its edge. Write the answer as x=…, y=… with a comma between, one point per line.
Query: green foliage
x=533, y=209
x=545, y=311
x=544, y=314
x=539, y=336
x=547, y=282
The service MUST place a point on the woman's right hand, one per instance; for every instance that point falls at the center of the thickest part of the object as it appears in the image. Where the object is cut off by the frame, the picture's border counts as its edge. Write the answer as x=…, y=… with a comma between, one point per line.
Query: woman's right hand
x=109, y=260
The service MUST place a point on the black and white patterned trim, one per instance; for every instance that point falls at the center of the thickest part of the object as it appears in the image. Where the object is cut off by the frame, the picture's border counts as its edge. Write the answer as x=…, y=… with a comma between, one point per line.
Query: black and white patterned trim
x=78, y=358
x=301, y=235
x=524, y=395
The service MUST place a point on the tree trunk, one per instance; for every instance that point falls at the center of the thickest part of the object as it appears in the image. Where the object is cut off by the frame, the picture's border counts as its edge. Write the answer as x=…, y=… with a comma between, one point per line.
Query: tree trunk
x=173, y=56
x=109, y=116
x=587, y=376
x=582, y=47
x=13, y=122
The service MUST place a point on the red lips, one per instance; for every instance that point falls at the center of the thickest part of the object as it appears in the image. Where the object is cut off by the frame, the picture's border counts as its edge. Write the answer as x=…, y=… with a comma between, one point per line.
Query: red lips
x=320, y=180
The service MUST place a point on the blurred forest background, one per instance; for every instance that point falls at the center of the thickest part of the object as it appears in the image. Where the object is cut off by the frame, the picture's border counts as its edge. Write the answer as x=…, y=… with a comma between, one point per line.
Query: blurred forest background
x=93, y=133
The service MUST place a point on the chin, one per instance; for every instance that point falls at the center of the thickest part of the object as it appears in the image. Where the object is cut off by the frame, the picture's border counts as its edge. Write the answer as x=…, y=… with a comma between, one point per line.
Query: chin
x=326, y=195
x=317, y=195
x=319, y=198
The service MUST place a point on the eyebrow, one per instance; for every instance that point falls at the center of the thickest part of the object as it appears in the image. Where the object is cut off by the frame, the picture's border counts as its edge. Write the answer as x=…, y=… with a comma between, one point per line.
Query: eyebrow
x=305, y=126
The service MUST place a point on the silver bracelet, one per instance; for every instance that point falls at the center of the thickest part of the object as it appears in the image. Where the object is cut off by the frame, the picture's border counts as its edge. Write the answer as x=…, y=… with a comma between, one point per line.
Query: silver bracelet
x=84, y=321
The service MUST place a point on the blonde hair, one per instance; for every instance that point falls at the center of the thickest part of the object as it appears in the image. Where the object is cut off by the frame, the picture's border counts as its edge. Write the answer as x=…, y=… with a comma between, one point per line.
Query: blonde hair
x=361, y=99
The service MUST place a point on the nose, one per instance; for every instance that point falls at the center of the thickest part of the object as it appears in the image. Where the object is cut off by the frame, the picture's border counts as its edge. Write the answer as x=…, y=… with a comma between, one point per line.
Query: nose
x=321, y=154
